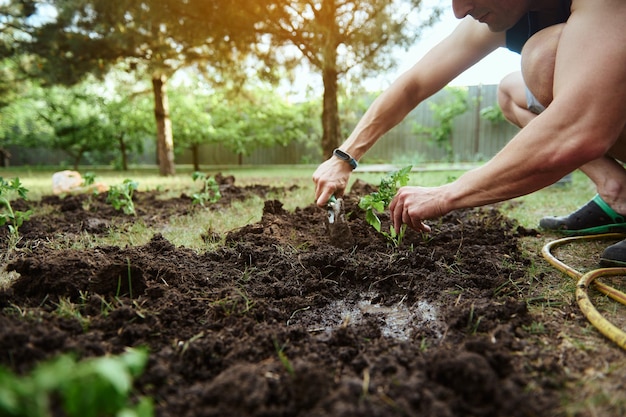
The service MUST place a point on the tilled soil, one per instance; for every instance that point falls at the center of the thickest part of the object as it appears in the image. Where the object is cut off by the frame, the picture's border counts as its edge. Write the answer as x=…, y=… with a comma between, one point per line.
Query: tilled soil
x=277, y=321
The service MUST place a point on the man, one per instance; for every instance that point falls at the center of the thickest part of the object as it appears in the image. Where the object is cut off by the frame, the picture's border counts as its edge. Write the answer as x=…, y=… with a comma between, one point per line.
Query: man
x=573, y=65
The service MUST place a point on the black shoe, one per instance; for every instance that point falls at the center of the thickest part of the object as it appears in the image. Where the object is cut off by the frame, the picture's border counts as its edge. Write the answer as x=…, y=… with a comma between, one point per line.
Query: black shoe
x=593, y=218
x=614, y=255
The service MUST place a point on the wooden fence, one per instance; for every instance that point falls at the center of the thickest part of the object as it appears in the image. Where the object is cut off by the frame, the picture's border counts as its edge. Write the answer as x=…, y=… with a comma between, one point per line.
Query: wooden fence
x=473, y=139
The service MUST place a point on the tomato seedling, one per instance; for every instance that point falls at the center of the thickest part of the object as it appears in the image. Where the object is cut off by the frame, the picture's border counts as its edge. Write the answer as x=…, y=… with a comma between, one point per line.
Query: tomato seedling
x=121, y=196
x=13, y=218
x=210, y=189
x=378, y=201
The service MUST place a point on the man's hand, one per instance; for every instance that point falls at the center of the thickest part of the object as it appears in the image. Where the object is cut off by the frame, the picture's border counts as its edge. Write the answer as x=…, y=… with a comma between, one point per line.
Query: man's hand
x=413, y=205
x=330, y=178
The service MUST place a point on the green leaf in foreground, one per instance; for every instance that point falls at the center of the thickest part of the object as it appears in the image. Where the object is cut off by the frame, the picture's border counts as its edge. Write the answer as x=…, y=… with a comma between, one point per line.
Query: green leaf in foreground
x=91, y=388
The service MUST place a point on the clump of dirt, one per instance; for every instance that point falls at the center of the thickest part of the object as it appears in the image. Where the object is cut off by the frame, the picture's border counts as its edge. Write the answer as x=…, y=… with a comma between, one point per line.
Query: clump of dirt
x=279, y=322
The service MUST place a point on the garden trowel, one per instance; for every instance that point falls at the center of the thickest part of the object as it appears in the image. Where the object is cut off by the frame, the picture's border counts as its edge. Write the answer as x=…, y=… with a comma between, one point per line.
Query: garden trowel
x=338, y=230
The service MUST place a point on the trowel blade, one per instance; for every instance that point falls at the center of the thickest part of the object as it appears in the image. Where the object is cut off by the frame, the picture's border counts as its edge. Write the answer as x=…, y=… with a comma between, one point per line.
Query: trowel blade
x=338, y=229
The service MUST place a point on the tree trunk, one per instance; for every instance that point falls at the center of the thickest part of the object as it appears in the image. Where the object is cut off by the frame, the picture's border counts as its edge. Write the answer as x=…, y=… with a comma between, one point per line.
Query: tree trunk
x=195, y=156
x=165, y=139
x=5, y=155
x=77, y=161
x=330, y=114
x=123, y=152
x=331, y=131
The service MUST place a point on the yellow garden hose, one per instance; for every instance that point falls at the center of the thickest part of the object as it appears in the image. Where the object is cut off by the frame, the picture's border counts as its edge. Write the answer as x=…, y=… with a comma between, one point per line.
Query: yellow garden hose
x=605, y=327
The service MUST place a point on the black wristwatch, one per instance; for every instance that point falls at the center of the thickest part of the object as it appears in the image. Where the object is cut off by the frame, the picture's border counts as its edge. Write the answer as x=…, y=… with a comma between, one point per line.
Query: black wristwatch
x=346, y=157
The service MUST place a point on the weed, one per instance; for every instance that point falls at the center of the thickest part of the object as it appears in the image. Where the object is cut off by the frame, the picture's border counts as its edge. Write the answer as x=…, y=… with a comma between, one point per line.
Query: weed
x=105, y=306
x=184, y=345
x=210, y=189
x=130, y=282
x=536, y=328
x=473, y=321
x=235, y=304
x=282, y=357
x=121, y=196
x=65, y=308
x=424, y=345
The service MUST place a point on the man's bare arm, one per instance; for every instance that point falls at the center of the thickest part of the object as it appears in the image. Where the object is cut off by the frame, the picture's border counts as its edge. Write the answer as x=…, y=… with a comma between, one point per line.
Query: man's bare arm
x=583, y=122
x=468, y=44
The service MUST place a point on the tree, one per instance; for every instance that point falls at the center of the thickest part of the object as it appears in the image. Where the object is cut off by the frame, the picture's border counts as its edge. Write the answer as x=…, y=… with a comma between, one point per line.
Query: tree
x=128, y=123
x=193, y=119
x=12, y=83
x=336, y=36
x=157, y=37
x=76, y=119
x=242, y=121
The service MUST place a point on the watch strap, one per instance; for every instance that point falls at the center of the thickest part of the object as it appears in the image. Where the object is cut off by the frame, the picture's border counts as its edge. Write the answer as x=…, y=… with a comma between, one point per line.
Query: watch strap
x=345, y=156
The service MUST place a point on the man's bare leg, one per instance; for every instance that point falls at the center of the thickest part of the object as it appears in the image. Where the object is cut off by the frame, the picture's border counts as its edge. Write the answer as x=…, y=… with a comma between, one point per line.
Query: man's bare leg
x=606, y=173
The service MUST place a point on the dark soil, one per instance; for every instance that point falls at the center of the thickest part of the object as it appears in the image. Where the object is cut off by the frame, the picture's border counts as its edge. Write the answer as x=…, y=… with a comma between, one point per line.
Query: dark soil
x=278, y=322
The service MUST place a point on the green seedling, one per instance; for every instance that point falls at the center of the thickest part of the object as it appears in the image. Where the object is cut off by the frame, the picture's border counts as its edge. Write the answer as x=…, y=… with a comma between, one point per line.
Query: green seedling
x=89, y=178
x=121, y=196
x=12, y=218
x=282, y=357
x=378, y=201
x=210, y=189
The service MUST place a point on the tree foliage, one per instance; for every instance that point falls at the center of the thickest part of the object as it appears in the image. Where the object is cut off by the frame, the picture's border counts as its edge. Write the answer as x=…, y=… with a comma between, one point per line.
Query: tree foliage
x=241, y=122
x=87, y=122
x=337, y=36
x=156, y=37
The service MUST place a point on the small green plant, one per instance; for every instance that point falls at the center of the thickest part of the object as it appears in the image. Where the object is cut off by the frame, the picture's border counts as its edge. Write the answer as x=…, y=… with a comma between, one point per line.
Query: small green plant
x=282, y=357
x=13, y=218
x=378, y=201
x=65, y=308
x=89, y=178
x=473, y=321
x=90, y=388
x=210, y=189
x=443, y=115
x=237, y=303
x=493, y=114
x=121, y=196
x=535, y=328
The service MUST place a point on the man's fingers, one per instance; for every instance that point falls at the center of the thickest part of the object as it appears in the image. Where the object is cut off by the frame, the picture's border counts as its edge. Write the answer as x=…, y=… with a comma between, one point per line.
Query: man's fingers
x=399, y=212
x=395, y=210
x=324, y=197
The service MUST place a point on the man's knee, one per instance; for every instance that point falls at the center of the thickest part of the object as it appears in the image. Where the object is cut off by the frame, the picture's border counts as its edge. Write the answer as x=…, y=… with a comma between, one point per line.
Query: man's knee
x=538, y=58
x=511, y=93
